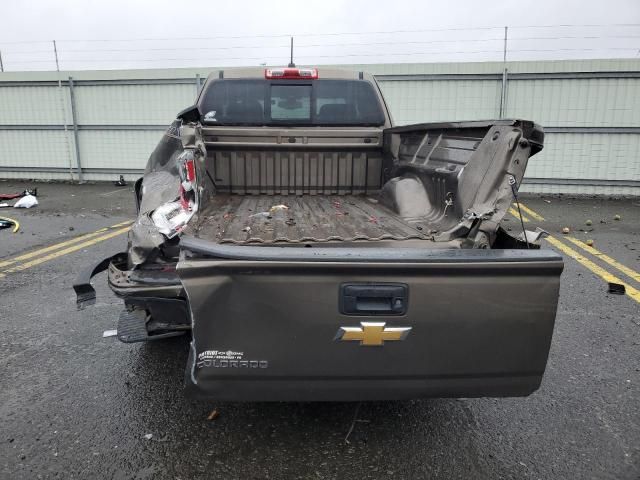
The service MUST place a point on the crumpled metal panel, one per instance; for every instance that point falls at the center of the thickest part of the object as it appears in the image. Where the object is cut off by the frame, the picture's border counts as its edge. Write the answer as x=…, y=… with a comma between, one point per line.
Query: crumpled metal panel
x=160, y=185
x=465, y=170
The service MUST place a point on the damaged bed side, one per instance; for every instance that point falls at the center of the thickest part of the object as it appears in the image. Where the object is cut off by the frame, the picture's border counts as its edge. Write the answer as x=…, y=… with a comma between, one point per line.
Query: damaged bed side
x=167, y=197
x=169, y=193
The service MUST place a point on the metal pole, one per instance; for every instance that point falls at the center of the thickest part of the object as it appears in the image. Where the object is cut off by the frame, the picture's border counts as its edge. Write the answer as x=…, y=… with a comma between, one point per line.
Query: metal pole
x=55, y=52
x=72, y=97
x=64, y=109
x=504, y=56
x=503, y=91
x=1, y=64
x=291, y=64
x=197, y=84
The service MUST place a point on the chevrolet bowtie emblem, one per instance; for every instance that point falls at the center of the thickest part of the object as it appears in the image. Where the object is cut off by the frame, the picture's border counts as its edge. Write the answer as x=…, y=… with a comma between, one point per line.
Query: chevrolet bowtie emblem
x=372, y=333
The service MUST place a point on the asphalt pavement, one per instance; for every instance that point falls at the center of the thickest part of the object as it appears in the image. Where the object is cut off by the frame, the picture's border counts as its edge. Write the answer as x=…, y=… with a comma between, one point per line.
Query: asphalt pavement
x=76, y=405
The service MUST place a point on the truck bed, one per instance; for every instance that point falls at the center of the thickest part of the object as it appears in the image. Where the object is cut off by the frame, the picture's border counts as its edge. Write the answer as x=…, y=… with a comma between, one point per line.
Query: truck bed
x=261, y=219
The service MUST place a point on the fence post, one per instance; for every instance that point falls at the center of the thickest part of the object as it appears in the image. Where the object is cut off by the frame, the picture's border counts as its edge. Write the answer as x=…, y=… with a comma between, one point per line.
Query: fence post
x=63, y=108
x=503, y=90
x=74, y=119
x=199, y=83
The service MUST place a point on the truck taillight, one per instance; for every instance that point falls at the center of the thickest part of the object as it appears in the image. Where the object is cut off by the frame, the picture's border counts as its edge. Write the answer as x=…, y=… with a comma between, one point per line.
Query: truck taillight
x=191, y=170
x=172, y=217
x=291, y=73
x=188, y=174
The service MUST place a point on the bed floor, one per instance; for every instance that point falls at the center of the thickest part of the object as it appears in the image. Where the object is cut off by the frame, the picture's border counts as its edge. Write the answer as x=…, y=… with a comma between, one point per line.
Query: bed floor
x=287, y=219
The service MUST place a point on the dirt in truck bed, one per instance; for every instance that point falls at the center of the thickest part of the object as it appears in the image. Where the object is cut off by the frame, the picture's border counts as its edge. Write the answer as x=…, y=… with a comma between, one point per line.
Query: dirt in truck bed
x=287, y=219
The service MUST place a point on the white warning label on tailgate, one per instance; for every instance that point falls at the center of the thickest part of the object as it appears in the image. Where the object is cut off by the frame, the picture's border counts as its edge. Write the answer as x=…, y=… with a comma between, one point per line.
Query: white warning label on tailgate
x=227, y=359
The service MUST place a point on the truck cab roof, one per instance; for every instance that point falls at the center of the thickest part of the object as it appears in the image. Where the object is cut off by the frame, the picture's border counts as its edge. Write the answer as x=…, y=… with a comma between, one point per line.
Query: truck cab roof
x=259, y=72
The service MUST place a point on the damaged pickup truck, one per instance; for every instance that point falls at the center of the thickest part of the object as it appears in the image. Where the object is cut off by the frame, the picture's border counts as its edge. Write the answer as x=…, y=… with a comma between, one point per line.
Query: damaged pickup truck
x=314, y=251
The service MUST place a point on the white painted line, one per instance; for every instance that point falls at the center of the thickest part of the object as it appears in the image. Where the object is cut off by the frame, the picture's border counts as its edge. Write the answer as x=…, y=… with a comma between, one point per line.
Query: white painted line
x=106, y=194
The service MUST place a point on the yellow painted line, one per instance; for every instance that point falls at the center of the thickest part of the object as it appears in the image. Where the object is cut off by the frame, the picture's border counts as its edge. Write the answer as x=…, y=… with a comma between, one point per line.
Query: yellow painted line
x=599, y=271
x=606, y=258
x=60, y=253
x=122, y=224
x=531, y=213
x=56, y=246
x=514, y=212
x=40, y=251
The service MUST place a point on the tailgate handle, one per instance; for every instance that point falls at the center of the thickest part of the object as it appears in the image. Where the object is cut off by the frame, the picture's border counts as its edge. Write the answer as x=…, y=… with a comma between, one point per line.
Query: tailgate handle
x=373, y=299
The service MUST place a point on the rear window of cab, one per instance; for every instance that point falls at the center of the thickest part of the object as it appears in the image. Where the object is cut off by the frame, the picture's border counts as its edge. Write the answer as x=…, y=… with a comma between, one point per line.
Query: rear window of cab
x=287, y=102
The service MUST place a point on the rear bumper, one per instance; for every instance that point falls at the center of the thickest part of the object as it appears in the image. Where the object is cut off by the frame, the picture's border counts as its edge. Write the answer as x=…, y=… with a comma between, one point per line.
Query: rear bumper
x=155, y=295
x=127, y=284
x=264, y=322
x=85, y=293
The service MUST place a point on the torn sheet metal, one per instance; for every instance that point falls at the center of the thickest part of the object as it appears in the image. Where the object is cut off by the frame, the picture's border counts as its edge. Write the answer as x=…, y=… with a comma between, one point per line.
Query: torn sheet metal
x=533, y=237
x=171, y=217
x=168, y=197
x=455, y=176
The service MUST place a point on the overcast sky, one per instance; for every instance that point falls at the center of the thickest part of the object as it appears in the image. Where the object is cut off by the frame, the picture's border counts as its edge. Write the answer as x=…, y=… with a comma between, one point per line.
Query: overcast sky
x=208, y=33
